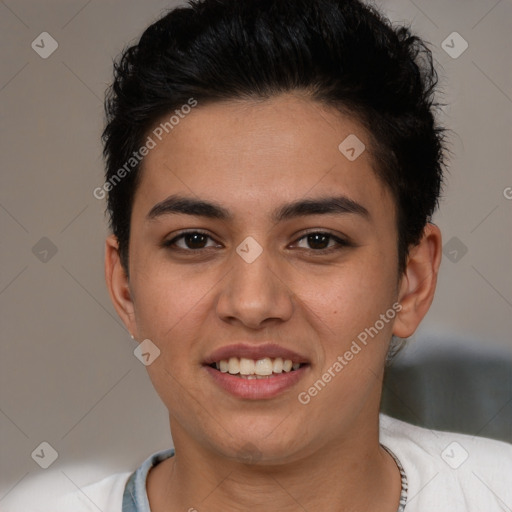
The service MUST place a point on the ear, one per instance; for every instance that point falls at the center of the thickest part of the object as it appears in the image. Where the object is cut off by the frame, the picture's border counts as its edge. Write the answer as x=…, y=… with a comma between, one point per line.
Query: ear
x=418, y=282
x=118, y=285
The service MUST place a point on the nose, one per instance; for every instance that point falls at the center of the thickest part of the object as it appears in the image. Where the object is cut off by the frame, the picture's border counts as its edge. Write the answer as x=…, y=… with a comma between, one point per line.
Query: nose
x=255, y=294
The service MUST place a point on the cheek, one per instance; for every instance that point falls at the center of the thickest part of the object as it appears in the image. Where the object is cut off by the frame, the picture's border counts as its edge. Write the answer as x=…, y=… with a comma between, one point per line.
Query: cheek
x=358, y=291
x=167, y=301
x=170, y=310
x=348, y=304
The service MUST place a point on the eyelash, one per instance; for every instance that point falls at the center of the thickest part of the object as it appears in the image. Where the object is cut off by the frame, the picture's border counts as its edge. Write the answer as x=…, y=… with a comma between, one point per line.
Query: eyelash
x=341, y=242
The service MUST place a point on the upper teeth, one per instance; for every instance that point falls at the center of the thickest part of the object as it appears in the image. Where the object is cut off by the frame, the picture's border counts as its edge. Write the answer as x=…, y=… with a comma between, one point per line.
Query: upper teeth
x=265, y=366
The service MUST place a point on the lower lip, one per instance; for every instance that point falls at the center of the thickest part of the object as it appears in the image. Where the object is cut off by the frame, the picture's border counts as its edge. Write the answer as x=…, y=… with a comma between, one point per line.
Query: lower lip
x=257, y=389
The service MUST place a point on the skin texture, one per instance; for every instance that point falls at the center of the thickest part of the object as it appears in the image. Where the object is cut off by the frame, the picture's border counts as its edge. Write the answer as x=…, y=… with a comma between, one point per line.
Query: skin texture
x=251, y=157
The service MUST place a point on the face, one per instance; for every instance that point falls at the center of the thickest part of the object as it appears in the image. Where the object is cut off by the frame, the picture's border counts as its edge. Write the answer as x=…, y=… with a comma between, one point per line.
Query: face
x=253, y=270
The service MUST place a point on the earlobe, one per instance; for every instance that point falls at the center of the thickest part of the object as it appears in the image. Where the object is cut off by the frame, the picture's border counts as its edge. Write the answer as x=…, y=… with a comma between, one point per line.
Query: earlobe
x=118, y=284
x=419, y=281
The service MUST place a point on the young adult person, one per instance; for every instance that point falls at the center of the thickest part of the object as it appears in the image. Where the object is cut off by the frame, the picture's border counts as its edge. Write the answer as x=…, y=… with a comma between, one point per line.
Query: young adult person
x=272, y=171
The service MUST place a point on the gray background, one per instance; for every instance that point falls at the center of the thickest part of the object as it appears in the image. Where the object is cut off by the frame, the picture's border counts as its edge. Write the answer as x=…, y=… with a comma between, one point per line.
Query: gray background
x=68, y=375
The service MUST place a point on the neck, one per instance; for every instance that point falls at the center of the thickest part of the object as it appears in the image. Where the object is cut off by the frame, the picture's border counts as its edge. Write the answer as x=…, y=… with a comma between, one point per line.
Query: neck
x=352, y=473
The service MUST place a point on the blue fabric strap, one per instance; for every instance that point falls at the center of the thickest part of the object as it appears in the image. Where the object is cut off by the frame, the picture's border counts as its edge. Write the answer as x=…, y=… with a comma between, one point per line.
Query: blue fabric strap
x=135, y=497
x=129, y=504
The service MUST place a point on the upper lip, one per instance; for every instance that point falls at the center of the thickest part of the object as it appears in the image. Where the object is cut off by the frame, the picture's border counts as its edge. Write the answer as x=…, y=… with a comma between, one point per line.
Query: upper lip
x=255, y=352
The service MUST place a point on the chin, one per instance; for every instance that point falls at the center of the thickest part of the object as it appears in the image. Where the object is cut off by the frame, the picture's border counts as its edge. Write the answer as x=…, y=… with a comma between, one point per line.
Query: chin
x=270, y=448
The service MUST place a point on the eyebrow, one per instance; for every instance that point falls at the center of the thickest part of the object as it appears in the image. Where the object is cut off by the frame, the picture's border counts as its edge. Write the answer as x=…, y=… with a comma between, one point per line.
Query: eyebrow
x=176, y=204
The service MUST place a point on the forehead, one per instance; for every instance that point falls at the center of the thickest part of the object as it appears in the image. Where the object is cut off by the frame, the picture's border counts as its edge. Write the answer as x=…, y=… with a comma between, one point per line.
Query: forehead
x=251, y=154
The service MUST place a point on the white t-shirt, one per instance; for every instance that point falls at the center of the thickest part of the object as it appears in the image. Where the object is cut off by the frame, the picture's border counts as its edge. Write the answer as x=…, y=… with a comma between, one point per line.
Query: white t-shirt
x=445, y=472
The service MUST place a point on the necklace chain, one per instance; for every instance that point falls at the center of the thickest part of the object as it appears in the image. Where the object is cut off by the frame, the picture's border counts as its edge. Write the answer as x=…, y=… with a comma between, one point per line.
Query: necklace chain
x=403, y=477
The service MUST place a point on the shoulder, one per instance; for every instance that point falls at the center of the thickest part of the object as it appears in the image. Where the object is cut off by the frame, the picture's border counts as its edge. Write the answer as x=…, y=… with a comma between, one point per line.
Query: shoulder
x=106, y=494
x=448, y=470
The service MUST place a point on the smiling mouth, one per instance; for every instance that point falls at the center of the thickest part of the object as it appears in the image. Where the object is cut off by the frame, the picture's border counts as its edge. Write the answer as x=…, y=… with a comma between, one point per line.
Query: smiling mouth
x=264, y=368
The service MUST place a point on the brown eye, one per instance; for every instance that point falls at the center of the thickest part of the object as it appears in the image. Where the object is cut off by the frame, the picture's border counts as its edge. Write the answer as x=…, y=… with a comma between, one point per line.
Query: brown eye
x=318, y=241
x=193, y=240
